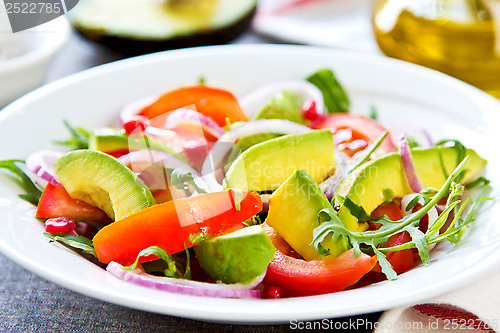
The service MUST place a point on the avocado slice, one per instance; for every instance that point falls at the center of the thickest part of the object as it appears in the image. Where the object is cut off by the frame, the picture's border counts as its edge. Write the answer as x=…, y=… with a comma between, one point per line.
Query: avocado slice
x=144, y=26
x=266, y=165
x=285, y=105
x=293, y=214
x=366, y=185
x=102, y=181
x=237, y=257
x=111, y=139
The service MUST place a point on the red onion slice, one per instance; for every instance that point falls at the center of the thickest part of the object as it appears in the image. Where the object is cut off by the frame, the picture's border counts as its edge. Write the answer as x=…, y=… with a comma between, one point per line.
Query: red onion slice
x=408, y=166
x=132, y=109
x=42, y=162
x=186, y=117
x=187, y=287
x=226, y=142
x=141, y=159
x=254, y=100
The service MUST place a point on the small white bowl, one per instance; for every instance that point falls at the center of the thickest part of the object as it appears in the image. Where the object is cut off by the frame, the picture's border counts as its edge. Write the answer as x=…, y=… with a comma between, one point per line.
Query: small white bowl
x=37, y=46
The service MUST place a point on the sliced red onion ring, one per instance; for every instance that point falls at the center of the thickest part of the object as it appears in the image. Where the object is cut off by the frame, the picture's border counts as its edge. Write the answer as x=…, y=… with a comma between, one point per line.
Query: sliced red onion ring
x=330, y=184
x=42, y=162
x=254, y=100
x=187, y=117
x=186, y=287
x=141, y=159
x=408, y=166
x=225, y=143
x=132, y=109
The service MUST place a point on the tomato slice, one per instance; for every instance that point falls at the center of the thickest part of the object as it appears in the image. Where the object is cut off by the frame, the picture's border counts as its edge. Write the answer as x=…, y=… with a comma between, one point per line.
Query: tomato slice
x=353, y=133
x=169, y=225
x=298, y=277
x=56, y=202
x=403, y=260
x=215, y=103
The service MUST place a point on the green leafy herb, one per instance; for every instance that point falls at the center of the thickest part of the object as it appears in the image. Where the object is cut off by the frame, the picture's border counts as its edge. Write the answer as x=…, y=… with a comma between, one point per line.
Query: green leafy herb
x=238, y=198
x=334, y=95
x=481, y=181
x=181, y=178
x=33, y=191
x=174, y=269
x=331, y=225
x=368, y=151
x=254, y=220
x=373, y=112
x=197, y=238
x=461, y=153
x=412, y=143
x=77, y=242
x=79, y=137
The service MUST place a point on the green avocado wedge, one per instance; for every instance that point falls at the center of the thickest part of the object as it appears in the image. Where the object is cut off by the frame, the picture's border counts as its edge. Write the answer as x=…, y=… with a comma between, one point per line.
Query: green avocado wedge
x=237, y=257
x=102, y=181
x=366, y=185
x=111, y=139
x=293, y=213
x=266, y=165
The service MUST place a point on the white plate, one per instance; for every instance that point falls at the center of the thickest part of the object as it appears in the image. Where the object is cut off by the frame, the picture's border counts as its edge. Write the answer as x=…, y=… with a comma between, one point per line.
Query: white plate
x=344, y=24
x=403, y=94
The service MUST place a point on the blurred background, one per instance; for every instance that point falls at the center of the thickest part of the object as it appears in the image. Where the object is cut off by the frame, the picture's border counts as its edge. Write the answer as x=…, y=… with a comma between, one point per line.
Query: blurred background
x=457, y=37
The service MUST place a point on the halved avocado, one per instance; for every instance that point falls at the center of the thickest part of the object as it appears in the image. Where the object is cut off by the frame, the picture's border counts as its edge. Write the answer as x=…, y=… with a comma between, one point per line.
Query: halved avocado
x=144, y=26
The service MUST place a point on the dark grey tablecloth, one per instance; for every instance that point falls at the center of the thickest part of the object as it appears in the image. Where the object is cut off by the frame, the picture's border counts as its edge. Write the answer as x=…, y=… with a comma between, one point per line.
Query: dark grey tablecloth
x=29, y=303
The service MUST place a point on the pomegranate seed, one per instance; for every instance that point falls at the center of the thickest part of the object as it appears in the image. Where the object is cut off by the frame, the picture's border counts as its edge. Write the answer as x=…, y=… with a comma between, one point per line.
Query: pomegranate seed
x=135, y=123
x=59, y=225
x=272, y=291
x=309, y=110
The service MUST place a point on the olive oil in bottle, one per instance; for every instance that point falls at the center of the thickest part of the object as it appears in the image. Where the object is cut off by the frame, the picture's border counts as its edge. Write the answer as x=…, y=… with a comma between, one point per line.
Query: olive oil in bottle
x=457, y=37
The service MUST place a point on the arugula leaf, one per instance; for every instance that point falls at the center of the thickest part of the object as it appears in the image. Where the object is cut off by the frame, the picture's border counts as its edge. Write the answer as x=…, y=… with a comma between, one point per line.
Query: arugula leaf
x=33, y=191
x=368, y=152
x=173, y=268
x=418, y=238
x=330, y=224
x=461, y=153
x=480, y=181
x=334, y=95
x=355, y=210
x=385, y=265
x=412, y=143
x=79, y=137
x=181, y=177
x=373, y=112
x=238, y=198
x=77, y=242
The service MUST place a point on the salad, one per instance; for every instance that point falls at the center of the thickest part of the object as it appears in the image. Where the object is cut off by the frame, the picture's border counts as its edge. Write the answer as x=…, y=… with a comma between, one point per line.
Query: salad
x=279, y=193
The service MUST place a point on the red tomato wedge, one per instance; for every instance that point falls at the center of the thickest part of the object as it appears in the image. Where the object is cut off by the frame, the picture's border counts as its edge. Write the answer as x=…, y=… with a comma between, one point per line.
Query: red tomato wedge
x=403, y=260
x=169, y=225
x=56, y=202
x=215, y=103
x=353, y=133
x=298, y=277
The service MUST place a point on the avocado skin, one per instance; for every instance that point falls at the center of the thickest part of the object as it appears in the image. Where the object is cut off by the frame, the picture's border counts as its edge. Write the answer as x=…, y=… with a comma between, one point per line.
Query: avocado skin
x=130, y=46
